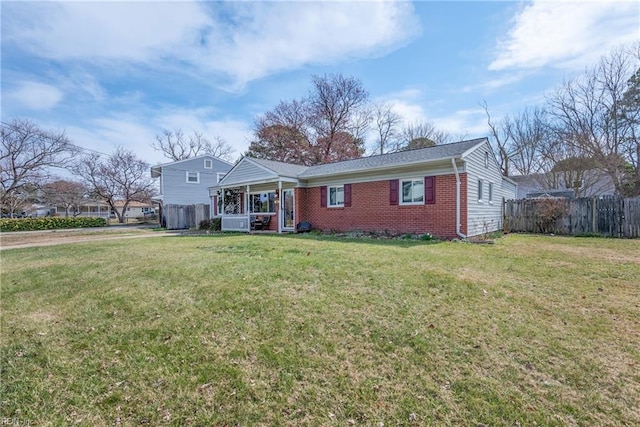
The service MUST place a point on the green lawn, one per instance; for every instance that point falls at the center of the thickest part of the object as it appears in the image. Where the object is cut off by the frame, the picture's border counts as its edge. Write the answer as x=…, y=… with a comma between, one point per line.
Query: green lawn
x=302, y=330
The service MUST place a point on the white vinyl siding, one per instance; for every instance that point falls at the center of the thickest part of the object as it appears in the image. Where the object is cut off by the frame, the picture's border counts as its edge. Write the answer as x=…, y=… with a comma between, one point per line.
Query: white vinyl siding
x=482, y=172
x=247, y=172
x=175, y=189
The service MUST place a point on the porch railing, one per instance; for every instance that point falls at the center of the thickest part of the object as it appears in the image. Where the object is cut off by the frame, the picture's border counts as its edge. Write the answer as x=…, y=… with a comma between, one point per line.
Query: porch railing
x=235, y=223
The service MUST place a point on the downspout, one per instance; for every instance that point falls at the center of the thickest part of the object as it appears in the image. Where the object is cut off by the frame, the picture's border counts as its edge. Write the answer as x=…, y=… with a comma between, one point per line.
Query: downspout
x=455, y=170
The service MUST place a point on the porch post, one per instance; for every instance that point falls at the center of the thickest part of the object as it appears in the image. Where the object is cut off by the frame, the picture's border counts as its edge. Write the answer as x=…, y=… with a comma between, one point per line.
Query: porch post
x=280, y=216
x=223, y=208
x=246, y=206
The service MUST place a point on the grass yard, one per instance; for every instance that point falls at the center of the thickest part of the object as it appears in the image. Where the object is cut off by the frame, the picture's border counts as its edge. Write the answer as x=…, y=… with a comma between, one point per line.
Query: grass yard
x=302, y=330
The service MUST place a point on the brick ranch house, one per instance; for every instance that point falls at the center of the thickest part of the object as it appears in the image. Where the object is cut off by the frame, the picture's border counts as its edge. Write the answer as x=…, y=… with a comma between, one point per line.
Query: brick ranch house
x=450, y=190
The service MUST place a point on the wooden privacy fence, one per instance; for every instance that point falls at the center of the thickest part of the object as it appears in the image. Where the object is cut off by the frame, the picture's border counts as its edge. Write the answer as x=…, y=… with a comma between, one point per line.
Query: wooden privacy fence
x=610, y=216
x=176, y=217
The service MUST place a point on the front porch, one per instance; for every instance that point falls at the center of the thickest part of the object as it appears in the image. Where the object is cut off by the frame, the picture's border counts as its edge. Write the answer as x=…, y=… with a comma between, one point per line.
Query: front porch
x=258, y=207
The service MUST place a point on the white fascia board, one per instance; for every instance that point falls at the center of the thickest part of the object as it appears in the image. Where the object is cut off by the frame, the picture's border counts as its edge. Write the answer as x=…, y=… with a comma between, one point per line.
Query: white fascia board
x=259, y=182
x=380, y=168
x=475, y=147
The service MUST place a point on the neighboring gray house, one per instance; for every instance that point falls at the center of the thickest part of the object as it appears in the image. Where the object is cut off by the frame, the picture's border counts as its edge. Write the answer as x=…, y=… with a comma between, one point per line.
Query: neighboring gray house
x=592, y=183
x=449, y=190
x=186, y=182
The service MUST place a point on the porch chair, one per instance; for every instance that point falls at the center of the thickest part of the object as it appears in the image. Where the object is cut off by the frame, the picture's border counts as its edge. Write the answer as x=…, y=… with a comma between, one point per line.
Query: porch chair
x=261, y=223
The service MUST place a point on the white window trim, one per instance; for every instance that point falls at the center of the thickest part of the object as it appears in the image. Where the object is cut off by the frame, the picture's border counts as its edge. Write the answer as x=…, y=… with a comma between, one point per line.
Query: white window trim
x=210, y=164
x=261, y=213
x=329, y=205
x=197, y=181
x=490, y=195
x=480, y=191
x=400, y=198
x=219, y=176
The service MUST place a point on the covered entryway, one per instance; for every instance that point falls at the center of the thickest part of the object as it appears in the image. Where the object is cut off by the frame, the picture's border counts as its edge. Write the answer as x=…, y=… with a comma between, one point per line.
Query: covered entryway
x=257, y=188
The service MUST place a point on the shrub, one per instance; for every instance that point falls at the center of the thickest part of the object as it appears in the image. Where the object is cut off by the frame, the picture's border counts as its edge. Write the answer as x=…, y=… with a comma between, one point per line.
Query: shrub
x=50, y=223
x=214, y=224
x=549, y=212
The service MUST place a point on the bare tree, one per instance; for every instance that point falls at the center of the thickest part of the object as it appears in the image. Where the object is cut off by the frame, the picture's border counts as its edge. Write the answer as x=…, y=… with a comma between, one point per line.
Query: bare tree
x=120, y=178
x=586, y=113
x=326, y=126
x=501, y=138
x=68, y=194
x=174, y=145
x=26, y=154
x=387, y=127
x=630, y=116
x=283, y=134
x=422, y=134
x=338, y=105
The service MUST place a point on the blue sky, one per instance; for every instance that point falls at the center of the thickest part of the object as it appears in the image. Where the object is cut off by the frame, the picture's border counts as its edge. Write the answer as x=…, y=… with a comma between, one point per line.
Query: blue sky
x=118, y=72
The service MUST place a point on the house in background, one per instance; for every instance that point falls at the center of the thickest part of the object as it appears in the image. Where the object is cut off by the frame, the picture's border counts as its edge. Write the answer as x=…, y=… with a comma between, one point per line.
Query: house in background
x=451, y=190
x=186, y=182
x=591, y=183
x=135, y=209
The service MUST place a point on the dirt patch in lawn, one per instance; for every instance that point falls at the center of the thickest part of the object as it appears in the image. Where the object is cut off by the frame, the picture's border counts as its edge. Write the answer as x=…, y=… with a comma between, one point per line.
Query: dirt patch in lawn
x=27, y=239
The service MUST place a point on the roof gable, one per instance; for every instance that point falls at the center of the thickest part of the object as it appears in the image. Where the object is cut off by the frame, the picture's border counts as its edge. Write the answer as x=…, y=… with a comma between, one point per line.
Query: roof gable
x=202, y=156
x=248, y=170
x=281, y=168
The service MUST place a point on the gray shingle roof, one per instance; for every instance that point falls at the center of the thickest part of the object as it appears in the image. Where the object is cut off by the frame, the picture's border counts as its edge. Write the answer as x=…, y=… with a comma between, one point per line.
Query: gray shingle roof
x=437, y=152
x=281, y=168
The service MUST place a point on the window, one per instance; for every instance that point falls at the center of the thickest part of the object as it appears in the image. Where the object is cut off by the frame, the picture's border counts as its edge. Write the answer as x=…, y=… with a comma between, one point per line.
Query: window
x=193, y=177
x=479, y=190
x=490, y=197
x=412, y=191
x=262, y=202
x=486, y=159
x=220, y=175
x=208, y=163
x=336, y=197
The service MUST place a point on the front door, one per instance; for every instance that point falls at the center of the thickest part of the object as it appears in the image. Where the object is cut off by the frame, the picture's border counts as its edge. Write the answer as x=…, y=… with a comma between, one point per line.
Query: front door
x=288, y=220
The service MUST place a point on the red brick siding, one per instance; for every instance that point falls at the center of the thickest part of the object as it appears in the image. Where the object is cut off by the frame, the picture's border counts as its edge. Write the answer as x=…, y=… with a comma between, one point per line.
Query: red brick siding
x=371, y=211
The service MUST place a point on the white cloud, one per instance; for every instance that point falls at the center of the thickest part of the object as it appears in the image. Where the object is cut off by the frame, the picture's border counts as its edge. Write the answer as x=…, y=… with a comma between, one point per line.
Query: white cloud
x=137, y=132
x=495, y=84
x=566, y=34
x=235, y=42
x=469, y=123
x=407, y=104
x=235, y=132
x=276, y=36
x=134, y=31
x=36, y=95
